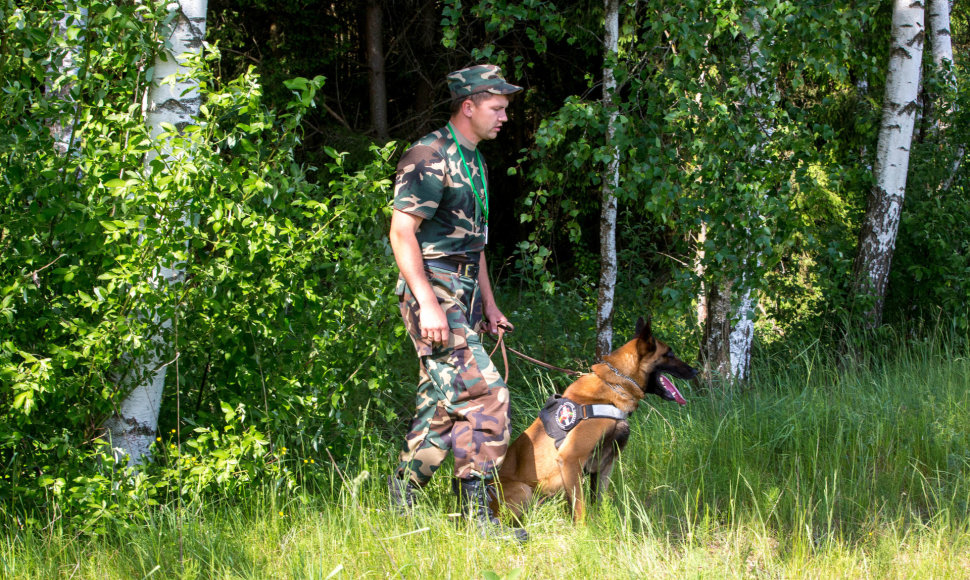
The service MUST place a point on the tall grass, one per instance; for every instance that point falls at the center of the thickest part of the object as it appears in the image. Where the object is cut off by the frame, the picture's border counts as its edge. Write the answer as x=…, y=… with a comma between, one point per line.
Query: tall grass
x=825, y=465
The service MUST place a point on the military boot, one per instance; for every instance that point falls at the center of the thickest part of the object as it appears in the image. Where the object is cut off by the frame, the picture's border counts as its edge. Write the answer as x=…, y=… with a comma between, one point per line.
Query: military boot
x=401, y=492
x=473, y=500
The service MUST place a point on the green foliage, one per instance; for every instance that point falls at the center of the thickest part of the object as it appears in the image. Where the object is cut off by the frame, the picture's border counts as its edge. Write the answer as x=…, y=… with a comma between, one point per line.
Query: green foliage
x=729, y=117
x=779, y=176
x=279, y=304
x=537, y=21
x=835, y=466
x=278, y=331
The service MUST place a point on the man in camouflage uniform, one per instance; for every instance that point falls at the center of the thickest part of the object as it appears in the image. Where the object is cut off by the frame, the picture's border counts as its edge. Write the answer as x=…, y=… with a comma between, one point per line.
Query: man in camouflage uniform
x=438, y=233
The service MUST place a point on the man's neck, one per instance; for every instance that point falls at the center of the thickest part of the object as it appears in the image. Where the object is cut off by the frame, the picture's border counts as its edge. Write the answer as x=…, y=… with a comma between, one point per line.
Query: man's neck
x=462, y=129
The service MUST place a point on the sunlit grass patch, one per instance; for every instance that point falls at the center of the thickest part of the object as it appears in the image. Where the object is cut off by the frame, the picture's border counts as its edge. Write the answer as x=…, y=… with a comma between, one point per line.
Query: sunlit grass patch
x=819, y=467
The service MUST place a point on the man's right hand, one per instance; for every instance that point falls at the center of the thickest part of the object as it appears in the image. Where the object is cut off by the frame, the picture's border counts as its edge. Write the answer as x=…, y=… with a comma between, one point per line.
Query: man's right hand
x=434, y=324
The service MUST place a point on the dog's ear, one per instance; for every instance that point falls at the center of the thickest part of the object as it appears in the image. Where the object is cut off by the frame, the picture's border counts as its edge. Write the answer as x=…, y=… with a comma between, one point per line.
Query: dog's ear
x=645, y=340
x=643, y=330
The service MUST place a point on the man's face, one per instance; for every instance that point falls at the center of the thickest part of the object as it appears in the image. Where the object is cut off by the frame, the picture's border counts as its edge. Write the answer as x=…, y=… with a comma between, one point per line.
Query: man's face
x=488, y=116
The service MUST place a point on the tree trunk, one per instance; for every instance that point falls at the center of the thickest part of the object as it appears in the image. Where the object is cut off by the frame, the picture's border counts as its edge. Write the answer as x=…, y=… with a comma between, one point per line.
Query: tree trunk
x=133, y=428
x=428, y=31
x=715, y=349
x=729, y=339
x=877, y=238
x=699, y=272
x=938, y=33
x=62, y=80
x=375, y=65
x=742, y=333
x=607, y=285
x=941, y=43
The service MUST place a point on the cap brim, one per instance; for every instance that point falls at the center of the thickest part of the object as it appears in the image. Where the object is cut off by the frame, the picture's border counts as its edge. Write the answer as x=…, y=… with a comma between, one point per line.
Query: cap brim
x=504, y=89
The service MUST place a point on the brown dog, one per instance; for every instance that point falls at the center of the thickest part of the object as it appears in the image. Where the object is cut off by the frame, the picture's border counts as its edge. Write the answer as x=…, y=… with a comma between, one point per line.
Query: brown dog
x=589, y=422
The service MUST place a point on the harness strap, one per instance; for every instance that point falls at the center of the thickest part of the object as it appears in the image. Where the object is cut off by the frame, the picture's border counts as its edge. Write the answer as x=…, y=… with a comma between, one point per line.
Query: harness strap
x=560, y=415
x=603, y=411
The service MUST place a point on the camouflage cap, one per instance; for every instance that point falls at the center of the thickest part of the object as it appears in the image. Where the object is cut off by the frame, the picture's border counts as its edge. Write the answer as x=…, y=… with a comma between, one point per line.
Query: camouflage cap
x=478, y=79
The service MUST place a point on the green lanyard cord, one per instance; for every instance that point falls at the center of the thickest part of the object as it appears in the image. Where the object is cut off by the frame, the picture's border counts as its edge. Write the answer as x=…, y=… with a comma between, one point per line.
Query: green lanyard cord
x=481, y=171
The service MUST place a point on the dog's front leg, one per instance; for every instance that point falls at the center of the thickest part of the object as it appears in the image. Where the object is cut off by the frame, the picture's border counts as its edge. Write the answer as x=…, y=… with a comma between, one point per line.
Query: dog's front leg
x=571, y=471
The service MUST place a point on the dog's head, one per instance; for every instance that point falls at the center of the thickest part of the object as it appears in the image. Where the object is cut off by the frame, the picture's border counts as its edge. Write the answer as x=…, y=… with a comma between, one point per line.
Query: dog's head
x=658, y=363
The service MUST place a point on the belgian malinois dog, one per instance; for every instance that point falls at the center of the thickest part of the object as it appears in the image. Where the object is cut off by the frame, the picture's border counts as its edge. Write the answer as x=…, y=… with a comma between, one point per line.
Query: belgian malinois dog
x=584, y=429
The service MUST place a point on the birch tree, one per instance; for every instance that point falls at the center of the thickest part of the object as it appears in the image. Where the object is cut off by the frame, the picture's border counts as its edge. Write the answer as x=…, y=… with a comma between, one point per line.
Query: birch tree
x=881, y=224
x=70, y=31
x=729, y=323
x=716, y=343
x=607, y=284
x=941, y=45
x=172, y=99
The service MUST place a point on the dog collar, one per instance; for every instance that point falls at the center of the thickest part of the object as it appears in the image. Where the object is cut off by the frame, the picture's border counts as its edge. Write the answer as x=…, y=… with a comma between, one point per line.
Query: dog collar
x=622, y=376
x=559, y=415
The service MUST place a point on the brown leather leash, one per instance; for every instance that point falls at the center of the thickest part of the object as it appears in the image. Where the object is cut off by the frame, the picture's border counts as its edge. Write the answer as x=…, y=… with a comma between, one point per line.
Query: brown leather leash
x=500, y=341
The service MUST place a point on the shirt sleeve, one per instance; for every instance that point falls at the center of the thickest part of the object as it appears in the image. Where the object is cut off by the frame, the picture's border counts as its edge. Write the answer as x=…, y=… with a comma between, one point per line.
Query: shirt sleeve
x=420, y=181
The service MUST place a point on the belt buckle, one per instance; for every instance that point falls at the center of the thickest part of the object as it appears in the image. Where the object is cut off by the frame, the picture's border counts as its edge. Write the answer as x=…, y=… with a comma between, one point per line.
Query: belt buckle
x=466, y=269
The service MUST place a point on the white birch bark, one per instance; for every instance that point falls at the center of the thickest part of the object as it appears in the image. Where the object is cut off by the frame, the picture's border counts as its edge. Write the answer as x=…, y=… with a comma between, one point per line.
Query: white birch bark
x=941, y=45
x=877, y=238
x=62, y=79
x=729, y=329
x=862, y=87
x=699, y=272
x=607, y=285
x=133, y=428
x=954, y=170
x=742, y=331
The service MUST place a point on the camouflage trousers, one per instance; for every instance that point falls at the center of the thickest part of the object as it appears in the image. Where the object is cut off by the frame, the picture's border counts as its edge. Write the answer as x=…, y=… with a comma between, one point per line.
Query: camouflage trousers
x=462, y=403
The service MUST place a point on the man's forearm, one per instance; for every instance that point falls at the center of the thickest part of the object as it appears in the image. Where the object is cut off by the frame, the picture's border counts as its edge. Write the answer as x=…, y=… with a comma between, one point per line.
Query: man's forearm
x=407, y=254
x=489, y=306
x=484, y=284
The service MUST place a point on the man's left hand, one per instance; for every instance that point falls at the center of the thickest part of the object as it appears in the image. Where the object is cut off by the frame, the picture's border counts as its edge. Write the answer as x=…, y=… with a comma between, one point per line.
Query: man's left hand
x=494, y=319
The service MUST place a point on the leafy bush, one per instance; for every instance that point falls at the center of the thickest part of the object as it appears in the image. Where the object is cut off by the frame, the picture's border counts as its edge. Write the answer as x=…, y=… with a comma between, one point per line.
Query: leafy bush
x=282, y=305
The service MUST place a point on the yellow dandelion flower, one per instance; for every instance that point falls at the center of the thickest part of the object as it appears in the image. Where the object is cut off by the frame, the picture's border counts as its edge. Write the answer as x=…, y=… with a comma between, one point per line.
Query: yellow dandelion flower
x=312, y=461
x=304, y=461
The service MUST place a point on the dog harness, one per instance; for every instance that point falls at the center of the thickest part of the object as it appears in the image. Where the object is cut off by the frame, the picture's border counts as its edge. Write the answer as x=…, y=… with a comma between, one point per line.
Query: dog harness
x=559, y=415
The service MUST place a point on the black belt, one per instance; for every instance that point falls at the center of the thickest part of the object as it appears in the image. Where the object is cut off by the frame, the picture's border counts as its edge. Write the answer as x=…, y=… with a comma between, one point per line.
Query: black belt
x=462, y=268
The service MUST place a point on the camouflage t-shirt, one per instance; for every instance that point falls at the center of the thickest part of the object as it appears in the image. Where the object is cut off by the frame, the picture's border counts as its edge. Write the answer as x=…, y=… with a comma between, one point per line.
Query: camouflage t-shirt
x=433, y=184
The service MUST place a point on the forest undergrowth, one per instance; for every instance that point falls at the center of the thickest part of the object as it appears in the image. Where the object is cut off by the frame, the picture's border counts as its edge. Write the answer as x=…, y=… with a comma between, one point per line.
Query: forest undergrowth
x=826, y=464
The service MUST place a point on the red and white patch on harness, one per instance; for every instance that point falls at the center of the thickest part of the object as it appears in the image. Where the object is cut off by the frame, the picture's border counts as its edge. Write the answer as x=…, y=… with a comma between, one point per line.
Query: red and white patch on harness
x=566, y=416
